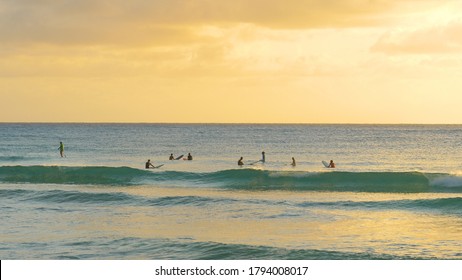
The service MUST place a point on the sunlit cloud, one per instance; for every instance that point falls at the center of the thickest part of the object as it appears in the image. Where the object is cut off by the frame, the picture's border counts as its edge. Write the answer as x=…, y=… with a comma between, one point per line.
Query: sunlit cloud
x=214, y=60
x=138, y=22
x=445, y=38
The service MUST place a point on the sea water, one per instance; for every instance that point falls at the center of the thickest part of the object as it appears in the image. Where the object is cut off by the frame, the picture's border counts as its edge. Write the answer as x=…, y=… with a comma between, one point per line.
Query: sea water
x=396, y=192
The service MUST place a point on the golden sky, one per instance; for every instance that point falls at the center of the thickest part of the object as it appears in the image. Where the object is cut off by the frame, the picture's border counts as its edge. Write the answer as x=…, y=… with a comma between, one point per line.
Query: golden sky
x=239, y=61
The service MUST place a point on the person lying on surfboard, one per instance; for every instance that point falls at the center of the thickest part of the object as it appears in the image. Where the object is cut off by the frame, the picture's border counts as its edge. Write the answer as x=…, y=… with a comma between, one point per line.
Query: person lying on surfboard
x=331, y=164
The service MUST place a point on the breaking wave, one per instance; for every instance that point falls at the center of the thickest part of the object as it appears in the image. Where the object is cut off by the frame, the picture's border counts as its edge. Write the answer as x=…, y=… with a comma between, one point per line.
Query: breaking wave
x=243, y=179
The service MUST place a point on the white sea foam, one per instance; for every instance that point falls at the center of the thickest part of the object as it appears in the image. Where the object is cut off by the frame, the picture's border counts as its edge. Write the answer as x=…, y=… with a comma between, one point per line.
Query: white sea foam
x=448, y=181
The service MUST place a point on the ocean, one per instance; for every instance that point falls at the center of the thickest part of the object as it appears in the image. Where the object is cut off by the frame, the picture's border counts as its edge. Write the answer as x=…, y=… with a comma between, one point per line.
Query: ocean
x=396, y=192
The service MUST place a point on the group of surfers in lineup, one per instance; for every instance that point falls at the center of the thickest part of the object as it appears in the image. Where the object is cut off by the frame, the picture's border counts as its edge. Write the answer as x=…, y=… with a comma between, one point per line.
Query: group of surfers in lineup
x=240, y=162
x=148, y=164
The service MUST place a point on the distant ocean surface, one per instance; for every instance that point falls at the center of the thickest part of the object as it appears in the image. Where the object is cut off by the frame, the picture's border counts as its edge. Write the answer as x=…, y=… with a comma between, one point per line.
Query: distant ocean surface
x=396, y=192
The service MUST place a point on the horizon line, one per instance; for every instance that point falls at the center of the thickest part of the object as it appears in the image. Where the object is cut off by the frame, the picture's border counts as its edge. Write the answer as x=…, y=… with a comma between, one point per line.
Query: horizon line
x=223, y=123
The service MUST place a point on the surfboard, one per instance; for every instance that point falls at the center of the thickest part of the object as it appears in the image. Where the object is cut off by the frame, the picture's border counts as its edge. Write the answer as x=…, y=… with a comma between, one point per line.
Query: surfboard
x=180, y=157
x=325, y=163
x=158, y=166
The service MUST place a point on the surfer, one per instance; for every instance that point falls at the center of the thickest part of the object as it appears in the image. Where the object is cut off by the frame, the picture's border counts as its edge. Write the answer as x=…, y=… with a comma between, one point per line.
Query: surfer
x=171, y=157
x=189, y=156
x=331, y=164
x=239, y=162
x=61, y=149
x=263, y=157
x=149, y=164
x=293, y=162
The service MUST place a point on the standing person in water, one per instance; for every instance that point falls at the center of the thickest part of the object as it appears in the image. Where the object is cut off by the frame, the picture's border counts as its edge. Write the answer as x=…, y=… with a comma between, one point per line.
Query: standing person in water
x=331, y=164
x=239, y=162
x=263, y=157
x=293, y=162
x=148, y=164
x=61, y=149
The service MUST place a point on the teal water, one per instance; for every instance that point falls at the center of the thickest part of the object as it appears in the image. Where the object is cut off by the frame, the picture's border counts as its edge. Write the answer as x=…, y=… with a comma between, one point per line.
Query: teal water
x=396, y=192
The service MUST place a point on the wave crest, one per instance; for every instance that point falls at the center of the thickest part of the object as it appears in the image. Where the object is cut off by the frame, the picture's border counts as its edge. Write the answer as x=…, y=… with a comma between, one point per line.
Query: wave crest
x=245, y=179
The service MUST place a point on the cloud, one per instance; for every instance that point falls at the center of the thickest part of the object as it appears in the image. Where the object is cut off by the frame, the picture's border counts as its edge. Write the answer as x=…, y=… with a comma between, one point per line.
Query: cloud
x=121, y=22
x=179, y=38
x=429, y=40
x=83, y=22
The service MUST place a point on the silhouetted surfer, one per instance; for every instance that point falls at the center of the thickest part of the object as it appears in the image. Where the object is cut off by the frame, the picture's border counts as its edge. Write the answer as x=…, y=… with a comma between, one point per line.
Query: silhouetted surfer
x=239, y=162
x=171, y=157
x=189, y=156
x=149, y=164
x=293, y=162
x=61, y=149
x=262, y=157
x=331, y=164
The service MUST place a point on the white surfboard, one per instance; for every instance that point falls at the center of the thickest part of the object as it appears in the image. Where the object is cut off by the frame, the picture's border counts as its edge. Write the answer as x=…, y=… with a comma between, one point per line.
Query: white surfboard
x=325, y=163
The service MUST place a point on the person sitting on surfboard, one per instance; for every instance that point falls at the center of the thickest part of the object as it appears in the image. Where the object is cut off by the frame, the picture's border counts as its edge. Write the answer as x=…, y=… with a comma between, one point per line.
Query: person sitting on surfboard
x=239, y=162
x=171, y=157
x=331, y=164
x=189, y=156
x=149, y=164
